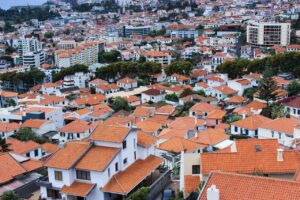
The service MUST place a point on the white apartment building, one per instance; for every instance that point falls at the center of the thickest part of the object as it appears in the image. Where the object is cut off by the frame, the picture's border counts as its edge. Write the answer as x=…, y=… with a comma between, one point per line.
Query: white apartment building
x=99, y=168
x=66, y=44
x=158, y=56
x=30, y=52
x=85, y=53
x=78, y=79
x=265, y=34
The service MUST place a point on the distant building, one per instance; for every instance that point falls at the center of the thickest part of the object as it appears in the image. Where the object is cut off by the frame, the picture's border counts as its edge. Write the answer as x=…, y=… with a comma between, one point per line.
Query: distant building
x=128, y=31
x=265, y=34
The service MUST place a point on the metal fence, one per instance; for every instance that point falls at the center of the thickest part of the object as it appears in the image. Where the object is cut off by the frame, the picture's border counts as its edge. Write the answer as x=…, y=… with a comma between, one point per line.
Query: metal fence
x=157, y=187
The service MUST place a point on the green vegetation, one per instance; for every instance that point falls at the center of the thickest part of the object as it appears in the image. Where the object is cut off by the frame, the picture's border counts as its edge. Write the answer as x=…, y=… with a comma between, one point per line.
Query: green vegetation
x=119, y=103
x=283, y=62
x=233, y=119
x=179, y=67
x=49, y=34
x=184, y=110
x=69, y=71
x=140, y=194
x=130, y=69
x=109, y=6
x=26, y=14
x=248, y=93
x=109, y=57
x=172, y=97
x=274, y=111
x=10, y=195
x=23, y=80
x=25, y=134
x=293, y=88
x=156, y=33
x=267, y=87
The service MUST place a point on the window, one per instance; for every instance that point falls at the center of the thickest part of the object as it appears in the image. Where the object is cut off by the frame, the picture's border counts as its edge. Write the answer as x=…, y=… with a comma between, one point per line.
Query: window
x=108, y=172
x=117, y=166
x=125, y=161
x=195, y=169
x=272, y=132
x=53, y=194
x=36, y=152
x=58, y=175
x=78, y=135
x=236, y=129
x=84, y=175
x=124, y=144
x=279, y=135
x=62, y=134
x=134, y=155
x=28, y=154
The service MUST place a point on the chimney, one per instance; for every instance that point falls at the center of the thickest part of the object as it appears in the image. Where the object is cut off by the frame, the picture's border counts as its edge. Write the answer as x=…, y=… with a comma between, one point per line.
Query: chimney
x=196, y=135
x=213, y=193
x=244, y=114
x=233, y=147
x=279, y=155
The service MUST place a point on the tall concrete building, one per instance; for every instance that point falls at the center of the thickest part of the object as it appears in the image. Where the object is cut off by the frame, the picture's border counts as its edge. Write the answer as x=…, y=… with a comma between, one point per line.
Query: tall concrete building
x=30, y=52
x=266, y=34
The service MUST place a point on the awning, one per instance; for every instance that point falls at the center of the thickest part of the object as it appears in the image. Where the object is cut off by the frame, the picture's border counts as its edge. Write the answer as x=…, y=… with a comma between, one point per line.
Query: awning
x=125, y=181
x=78, y=189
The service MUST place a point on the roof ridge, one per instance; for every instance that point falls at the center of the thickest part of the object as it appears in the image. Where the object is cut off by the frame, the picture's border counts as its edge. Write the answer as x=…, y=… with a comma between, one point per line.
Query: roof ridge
x=119, y=183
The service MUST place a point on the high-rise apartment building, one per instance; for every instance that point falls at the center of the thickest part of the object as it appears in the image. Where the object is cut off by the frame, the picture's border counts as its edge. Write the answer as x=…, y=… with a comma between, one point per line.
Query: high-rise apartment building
x=266, y=34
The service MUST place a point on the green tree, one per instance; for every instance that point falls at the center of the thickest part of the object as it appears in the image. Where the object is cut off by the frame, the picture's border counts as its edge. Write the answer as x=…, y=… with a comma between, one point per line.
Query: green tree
x=108, y=57
x=10, y=195
x=69, y=71
x=293, y=88
x=140, y=194
x=179, y=67
x=120, y=103
x=25, y=134
x=48, y=34
x=172, y=97
x=267, y=87
x=277, y=111
x=234, y=69
x=9, y=50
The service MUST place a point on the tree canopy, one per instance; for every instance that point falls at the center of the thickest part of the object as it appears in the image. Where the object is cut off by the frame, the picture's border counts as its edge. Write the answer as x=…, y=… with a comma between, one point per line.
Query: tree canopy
x=140, y=194
x=179, y=67
x=267, y=87
x=119, y=103
x=109, y=57
x=293, y=88
x=10, y=195
x=283, y=62
x=25, y=134
x=69, y=71
x=130, y=69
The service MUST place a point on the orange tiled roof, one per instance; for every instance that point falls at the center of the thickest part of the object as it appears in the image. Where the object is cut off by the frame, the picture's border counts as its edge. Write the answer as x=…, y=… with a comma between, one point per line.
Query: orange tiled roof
x=216, y=114
x=110, y=133
x=247, y=159
x=78, y=189
x=34, y=123
x=76, y=126
x=149, y=126
x=49, y=147
x=240, y=186
x=65, y=158
x=19, y=147
x=144, y=139
x=210, y=136
x=10, y=166
x=252, y=122
x=167, y=109
x=237, y=99
x=143, y=112
x=191, y=183
x=284, y=125
x=225, y=89
x=186, y=123
x=124, y=181
x=178, y=144
x=7, y=127
x=200, y=108
x=97, y=158
x=126, y=80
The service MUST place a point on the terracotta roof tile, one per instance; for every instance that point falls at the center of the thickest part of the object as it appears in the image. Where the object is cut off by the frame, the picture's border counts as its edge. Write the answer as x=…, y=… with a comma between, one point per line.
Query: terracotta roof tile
x=144, y=139
x=34, y=123
x=210, y=136
x=252, y=122
x=115, y=134
x=10, y=166
x=7, y=127
x=76, y=126
x=124, y=181
x=252, y=156
x=19, y=147
x=78, y=189
x=284, y=125
x=240, y=186
x=178, y=144
x=97, y=158
x=191, y=183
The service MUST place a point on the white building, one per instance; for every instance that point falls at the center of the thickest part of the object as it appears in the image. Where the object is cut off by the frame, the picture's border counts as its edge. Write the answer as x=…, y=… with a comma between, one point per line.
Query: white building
x=101, y=168
x=265, y=34
x=153, y=95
